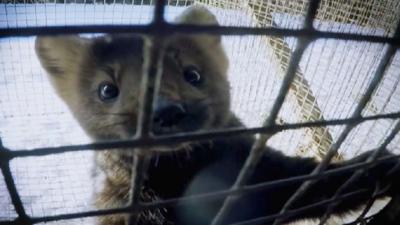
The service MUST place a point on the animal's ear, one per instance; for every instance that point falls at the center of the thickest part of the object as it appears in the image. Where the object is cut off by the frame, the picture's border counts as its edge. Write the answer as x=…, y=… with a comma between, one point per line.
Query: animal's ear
x=60, y=55
x=199, y=15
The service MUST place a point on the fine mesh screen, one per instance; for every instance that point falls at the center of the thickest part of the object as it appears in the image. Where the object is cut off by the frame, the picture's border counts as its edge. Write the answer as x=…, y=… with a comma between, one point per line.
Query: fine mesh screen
x=332, y=77
x=333, y=74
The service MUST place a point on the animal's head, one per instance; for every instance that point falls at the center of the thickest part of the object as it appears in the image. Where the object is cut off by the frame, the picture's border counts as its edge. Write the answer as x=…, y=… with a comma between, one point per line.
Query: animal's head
x=99, y=79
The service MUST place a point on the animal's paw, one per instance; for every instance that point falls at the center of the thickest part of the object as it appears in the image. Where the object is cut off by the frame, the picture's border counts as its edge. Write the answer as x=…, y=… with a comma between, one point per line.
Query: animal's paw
x=386, y=172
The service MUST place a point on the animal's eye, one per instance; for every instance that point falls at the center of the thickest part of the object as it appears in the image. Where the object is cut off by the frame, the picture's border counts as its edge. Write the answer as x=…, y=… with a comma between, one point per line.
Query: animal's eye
x=108, y=91
x=192, y=75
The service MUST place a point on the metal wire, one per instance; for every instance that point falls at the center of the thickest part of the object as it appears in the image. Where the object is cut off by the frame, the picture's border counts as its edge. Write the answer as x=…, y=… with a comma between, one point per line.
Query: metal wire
x=368, y=206
x=12, y=189
x=334, y=148
x=194, y=29
x=360, y=172
x=361, y=217
x=165, y=140
x=213, y=195
x=258, y=147
x=150, y=84
x=160, y=28
x=140, y=166
x=129, y=209
x=263, y=220
x=384, y=64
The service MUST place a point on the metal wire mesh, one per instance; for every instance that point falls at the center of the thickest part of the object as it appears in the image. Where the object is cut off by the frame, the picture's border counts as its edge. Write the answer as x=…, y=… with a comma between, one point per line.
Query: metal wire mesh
x=378, y=20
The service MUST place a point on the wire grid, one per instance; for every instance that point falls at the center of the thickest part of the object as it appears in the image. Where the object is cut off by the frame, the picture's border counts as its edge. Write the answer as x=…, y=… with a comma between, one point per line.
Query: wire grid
x=330, y=13
x=269, y=129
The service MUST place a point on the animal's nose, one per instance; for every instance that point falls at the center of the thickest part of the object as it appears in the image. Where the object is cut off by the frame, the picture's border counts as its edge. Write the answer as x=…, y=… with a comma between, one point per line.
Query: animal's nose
x=167, y=115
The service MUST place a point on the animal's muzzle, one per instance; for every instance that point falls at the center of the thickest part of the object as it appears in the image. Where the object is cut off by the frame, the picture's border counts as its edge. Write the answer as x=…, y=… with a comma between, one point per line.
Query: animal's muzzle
x=168, y=116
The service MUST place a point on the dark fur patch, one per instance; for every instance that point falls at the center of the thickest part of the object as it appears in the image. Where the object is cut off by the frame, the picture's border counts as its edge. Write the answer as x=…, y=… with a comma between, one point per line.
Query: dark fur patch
x=208, y=166
x=116, y=47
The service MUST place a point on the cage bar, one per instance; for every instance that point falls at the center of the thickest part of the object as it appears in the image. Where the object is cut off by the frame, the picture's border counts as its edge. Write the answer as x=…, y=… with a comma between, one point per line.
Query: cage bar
x=212, y=195
x=263, y=220
x=160, y=28
x=258, y=147
x=150, y=84
x=357, y=112
x=99, y=146
x=194, y=29
x=360, y=172
x=12, y=189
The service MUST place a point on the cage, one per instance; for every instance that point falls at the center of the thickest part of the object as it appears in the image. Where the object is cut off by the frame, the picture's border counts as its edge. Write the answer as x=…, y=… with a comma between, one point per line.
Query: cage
x=312, y=78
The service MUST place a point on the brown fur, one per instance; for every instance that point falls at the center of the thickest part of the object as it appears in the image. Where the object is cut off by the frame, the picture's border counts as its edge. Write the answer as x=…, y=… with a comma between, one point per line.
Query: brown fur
x=77, y=65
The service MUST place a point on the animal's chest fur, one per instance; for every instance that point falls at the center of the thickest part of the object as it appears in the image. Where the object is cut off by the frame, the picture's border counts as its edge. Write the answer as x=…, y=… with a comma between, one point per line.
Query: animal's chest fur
x=205, y=168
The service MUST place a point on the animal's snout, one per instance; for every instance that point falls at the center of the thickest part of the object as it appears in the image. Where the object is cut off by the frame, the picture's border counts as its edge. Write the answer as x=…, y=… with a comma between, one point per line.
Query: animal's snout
x=168, y=115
